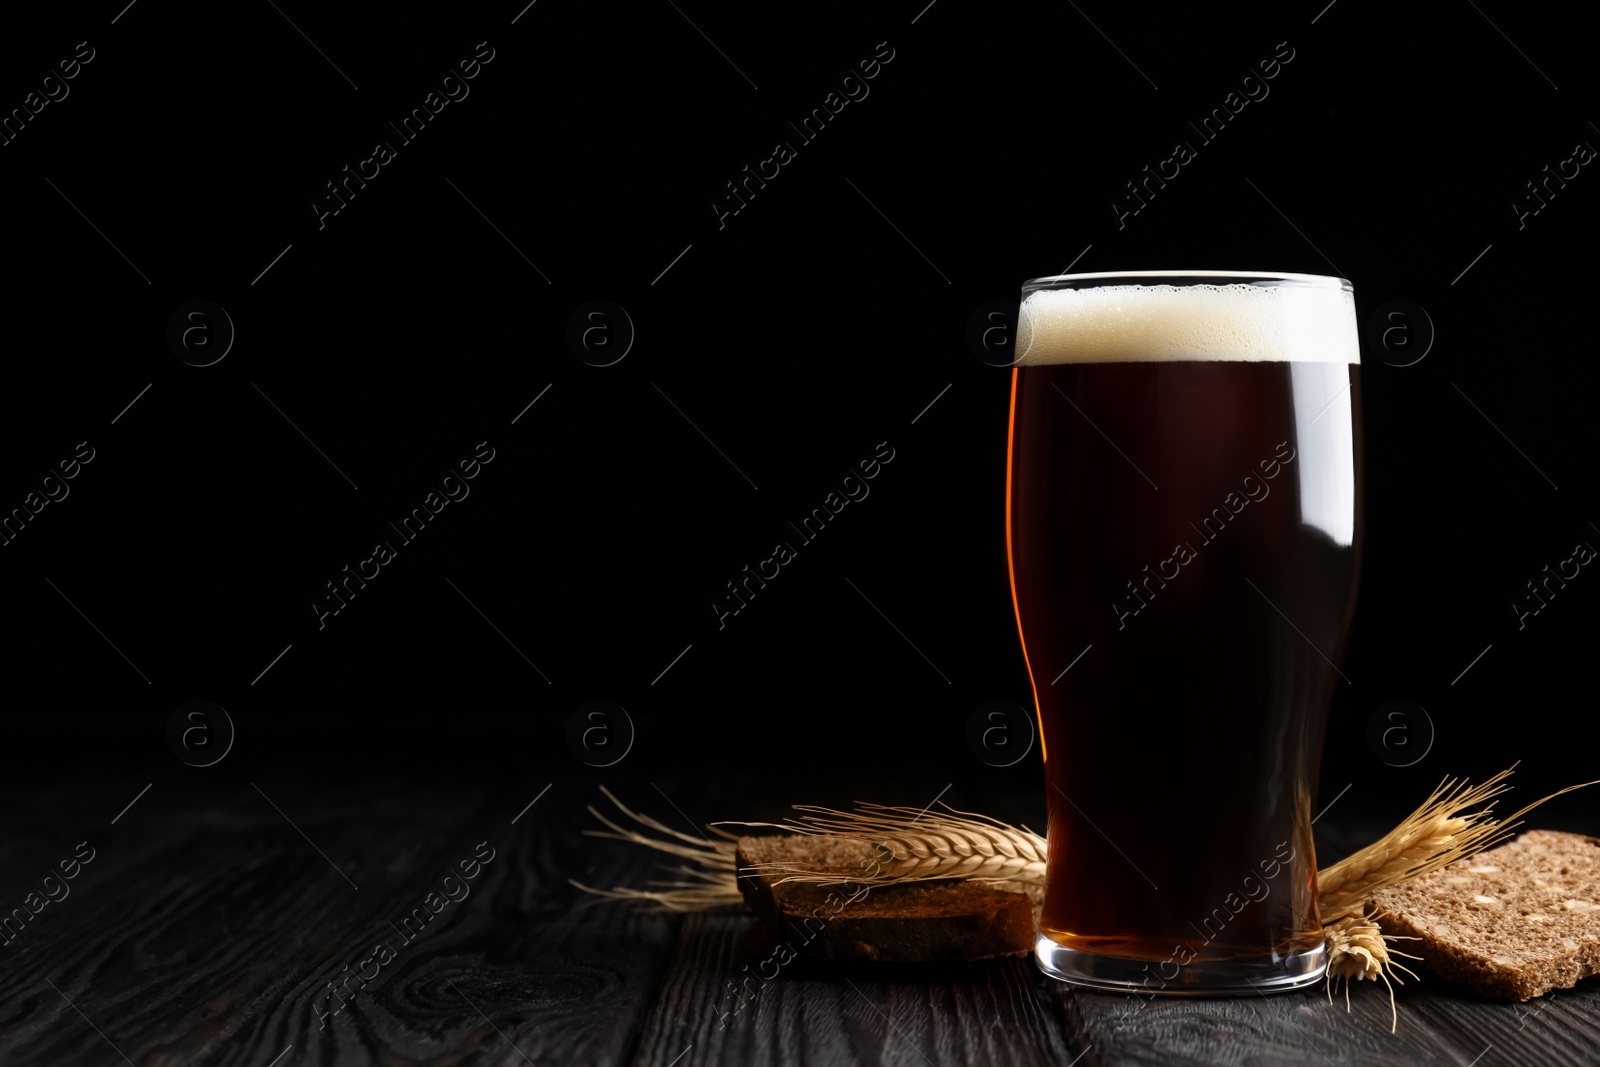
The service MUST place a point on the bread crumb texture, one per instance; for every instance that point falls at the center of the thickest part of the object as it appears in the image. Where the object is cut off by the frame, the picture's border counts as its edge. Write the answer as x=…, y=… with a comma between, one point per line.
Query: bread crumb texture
x=1513, y=922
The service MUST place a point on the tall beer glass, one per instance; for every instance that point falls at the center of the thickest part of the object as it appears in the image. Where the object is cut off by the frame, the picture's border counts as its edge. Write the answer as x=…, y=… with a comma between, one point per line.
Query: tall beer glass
x=1183, y=525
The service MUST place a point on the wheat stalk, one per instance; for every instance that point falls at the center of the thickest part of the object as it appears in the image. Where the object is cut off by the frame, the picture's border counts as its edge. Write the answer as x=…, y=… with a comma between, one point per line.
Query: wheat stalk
x=917, y=845
x=1437, y=834
x=913, y=846
x=922, y=845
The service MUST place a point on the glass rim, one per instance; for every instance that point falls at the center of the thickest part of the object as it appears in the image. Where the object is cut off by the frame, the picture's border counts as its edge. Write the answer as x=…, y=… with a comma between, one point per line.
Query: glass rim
x=1265, y=278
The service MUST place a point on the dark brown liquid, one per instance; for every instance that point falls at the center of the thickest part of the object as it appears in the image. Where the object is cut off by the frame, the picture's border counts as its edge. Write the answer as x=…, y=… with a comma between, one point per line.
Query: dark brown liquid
x=1182, y=749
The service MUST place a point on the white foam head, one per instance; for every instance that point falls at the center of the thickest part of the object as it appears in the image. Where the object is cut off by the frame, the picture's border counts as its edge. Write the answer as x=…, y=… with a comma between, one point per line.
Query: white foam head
x=1306, y=321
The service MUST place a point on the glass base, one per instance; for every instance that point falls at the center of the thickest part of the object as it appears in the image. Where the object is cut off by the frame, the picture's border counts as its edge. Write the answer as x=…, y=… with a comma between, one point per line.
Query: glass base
x=1274, y=973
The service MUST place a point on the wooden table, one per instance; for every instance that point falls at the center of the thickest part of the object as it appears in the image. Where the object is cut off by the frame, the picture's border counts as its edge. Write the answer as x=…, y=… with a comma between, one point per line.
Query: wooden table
x=217, y=910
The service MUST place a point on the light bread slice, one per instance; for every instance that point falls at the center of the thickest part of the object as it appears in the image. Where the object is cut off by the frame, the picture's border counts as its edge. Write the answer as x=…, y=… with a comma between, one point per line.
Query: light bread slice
x=916, y=922
x=1513, y=922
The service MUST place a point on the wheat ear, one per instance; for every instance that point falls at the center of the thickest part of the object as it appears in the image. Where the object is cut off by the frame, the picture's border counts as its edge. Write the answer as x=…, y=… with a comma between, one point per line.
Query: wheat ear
x=917, y=845
x=1435, y=834
x=1359, y=950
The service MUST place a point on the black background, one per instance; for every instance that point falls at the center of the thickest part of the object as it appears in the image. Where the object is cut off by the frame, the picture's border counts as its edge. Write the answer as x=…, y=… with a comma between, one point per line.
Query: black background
x=819, y=321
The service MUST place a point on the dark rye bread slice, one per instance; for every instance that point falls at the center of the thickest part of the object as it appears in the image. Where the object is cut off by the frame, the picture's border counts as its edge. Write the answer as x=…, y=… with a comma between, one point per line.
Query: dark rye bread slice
x=919, y=922
x=1512, y=923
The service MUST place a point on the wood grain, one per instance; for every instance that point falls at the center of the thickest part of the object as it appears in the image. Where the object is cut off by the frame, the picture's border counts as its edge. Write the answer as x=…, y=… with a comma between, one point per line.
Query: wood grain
x=214, y=944
x=1438, y=1023
x=992, y=1012
x=207, y=929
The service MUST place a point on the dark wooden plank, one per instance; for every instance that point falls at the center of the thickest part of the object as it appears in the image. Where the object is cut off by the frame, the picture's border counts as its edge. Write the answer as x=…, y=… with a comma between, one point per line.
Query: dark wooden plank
x=994, y=1012
x=210, y=939
x=206, y=929
x=1561, y=1028
x=1439, y=1023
